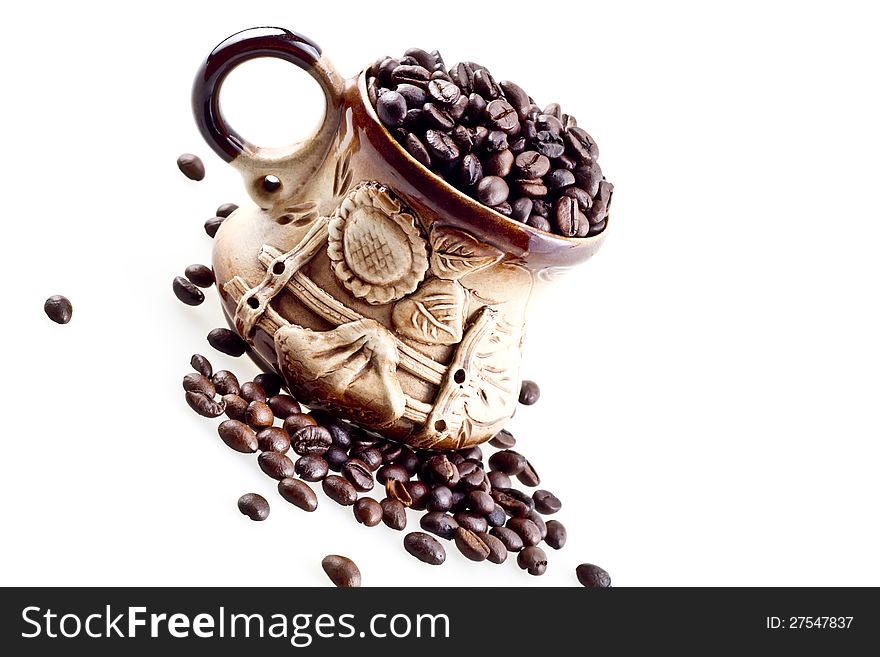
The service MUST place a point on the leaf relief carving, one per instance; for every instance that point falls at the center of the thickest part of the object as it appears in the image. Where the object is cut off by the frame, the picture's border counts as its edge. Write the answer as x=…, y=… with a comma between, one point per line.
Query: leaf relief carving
x=433, y=314
x=456, y=254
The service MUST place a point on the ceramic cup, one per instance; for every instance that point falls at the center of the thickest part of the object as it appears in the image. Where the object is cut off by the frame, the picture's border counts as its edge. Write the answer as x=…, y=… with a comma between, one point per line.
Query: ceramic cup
x=377, y=290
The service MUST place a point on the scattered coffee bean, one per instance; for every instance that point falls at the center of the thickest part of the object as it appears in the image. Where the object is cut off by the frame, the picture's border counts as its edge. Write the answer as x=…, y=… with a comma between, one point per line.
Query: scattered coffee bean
x=393, y=513
x=507, y=461
x=418, y=493
x=199, y=275
x=224, y=340
x=238, y=436
x=236, y=407
x=369, y=455
x=309, y=439
x=199, y=383
x=254, y=506
x=212, y=225
x=283, y=406
x=183, y=290
x=342, y=571
x=226, y=209
x=480, y=502
x=526, y=529
x=592, y=576
x=556, y=534
x=440, y=499
x=440, y=471
x=546, y=502
x=359, y=474
x=311, y=467
x=298, y=493
x=529, y=392
x=424, y=547
x=497, y=551
x=201, y=365
x=276, y=465
x=471, y=545
x=339, y=490
x=499, y=479
x=270, y=382
x=226, y=383
x=253, y=391
x=191, y=166
x=441, y=524
x=59, y=309
x=296, y=421
x=396, y=490
x=532, y=559
x=335, y=457
x=536, y=518
x=204, y=405
x=513, y=501
x=528, y=476
x=510, y=538
x=503, y=440
x=497, y=517
x=392, y=471
x=273, y=439
x=368, y=511
x=471, y=521
x=259, y=415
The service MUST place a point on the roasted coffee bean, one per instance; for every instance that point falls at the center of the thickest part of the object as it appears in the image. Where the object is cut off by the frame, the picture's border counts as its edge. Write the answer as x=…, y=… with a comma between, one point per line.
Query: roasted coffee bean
x=359, y=474
x=418, y=493
x=310, y=440
x=415, y=96
x=471, y=545
x=368, y=511
x=567, y=217
x=259, y=415
x=583, y=199
x=298, y=493
x=441, y=146
x=457, y=109
x=296, y=421
x=339, y=490
x=270, y=382
x=273, y=439
x=531, y=164
x=549, y=144
x=412, y=121
x=283, y=406
x=539, y=222
x=408, y=460
x=393, y=513
x=485, y=85
x=499, y=163
x=200, y=275
x=199, y=383
x=396, y=490
x=201, y=365
x=417, y=75
x=499, y=479
x=439, y=119
x=514, y=501
x=508, y=537
x=191, y=166
x=440, y=471
x=507, y=461
x=204, y=405
x=391, y=108
x=481, y=136
x=502, y=115
x=581, y=144
x=497, y=551
x=536, y=518
x=532, y=559
x=476, y=107
x=542, y=207
x=463, y=138
x=463, y=76
x=276, y=465
x=441, y=524
x=387, y=472
x=503, y=208
x=472, y=476
x=492, y=190
x=342, y=571
x=496, y=140
x=391, y=454
x=252, y=391
x=518, y=145
x=480, y=502
x=422, y=57
x=592, y=576
x=235, y=407
x=369, y=455
x=224, y=340
x=556, y=534
x=559, y=178
x=470, y=170
x=226, y=209
x=518, y=98
x=254, y=506
x=471, y=521
x=497, y=517
x=531, y=187
x=212, y=225
x=528, y=476
x=183, y=290
x=458, y=497
x=424, y=547
x=339, y=433
x=335, y=457
x=549, y=123
x=238, y=436
x=416, y=148
x=553, y=109
x=473, y=453
x=226, y=383
x=546, y=502
x=521, y=208
x=589, y=178
x=443, y=92
x=503, y=440
x=311, y=467
x=440, y=499
x=526, y=529
x=386, y=67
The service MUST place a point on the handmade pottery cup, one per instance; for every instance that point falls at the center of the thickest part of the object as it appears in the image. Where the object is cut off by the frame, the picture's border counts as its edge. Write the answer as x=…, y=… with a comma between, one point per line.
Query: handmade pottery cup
x=376, y=289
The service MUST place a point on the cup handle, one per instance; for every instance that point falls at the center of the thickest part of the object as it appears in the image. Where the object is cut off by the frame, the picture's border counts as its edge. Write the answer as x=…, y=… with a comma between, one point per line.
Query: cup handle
x=292, y=165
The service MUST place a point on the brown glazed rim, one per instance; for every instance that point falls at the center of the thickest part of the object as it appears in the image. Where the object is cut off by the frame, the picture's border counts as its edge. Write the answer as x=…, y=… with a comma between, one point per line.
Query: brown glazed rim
x=488, y=215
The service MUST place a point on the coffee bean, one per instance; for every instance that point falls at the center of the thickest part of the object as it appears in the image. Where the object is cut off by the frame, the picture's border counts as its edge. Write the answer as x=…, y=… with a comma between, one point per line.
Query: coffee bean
x=556, y=534
x=415, y=96
x=457, y=109
x=471, y=545
x=463, y=76
x=204, y=405
x=254, y=506
x=528, y=476
x=259, y=415
x=492, y=190
x=191, y=166
x=532, y=164
x=273, y=439
x=296, y=421
x=369, y=455
x=396, y=490
x=480, y=502
x=386, y=68
x=497, y=551
x=497, y=517
x=518, y=98
x=532, y=559
x=502, y=115
x=424, y=547
x=513, y=501
x=592, y=576
x=508, y=537
x=583, y=199
x=499, y=479
x=526, y=529
x=391, y=453
x=183, y=290
x=417, y=75
x=549, y=144
x=342, y=571
x=226, y=383
x=391, y=108
x=368, y=511
x=224, y=340
x=418, y=493
x=440, y=471
x=440, y=499
x=539, y=222
x=441, y=524
x=270, y=382
x=499, y=163
x=521, y=208
x=298, y=493
x=335, y=457
x=443, y=92
x=559, y=178
x=503, y=440
x=359, y=474
x=503, y=208
x=309, y=439
x=485, y=85
x=581, y=144
x=549, y=123
x=199, y=383
x=471, y=521
x=283, y=406
x=238, y=436
x=235, y=407
x=535, y=517
x=200, y=275
x=546, y=502
x=476, y=107
x=276, y=465
x=542, y=207
x=393, y=513
x=339, y=490
x=201, y=365
x=589, y=178
x=507, y=461
x=470, y=170
x=212, y=225
x=441, y=146
x=311, y=467
x=395, y=471
x=416, y=148
x=226, y=209
x=252, y=391
x=423, y=57
x=471, y=475
x=496, y=140
x=532, y=188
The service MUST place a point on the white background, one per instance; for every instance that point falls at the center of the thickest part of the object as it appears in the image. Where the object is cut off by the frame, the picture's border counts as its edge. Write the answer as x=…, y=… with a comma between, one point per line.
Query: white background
x=710, y=379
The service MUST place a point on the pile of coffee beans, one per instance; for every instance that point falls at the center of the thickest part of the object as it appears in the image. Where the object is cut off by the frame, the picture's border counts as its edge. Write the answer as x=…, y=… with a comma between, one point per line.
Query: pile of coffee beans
x=493, y=142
